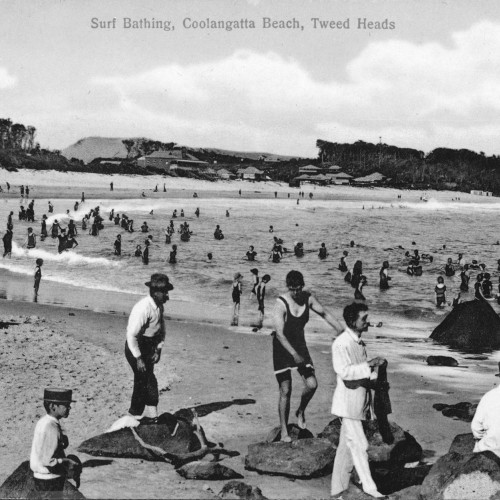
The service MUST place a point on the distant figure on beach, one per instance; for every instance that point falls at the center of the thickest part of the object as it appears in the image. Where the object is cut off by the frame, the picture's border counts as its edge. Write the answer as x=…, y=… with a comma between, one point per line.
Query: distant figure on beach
x=271, y=229
x=298, y=249
x=145, y=253
x=384, y=276
x=143, y=195
x=356, y=273
x=144, y=227
x=227, y=213
x=354, y=372
x=22, y=191
x=94, y=229
x=460, y=260
x=276, y=254
x=118, y=245
x=54, y=230
x=197, y=212
x=38, y=276
x=485, y=425
x=478, y=287
x=322, y=253
x=111, y=186
x=464, y=278
x=182, y=212
x=236, y=295
x=48, y=460
x=358, y=293
x=43, y=232
x=8, y=187
x=487, y=286
x=310, y=196
x=276, y=194
x=51, y=208
x=27, y=191
x=155, y=189
x=290, y=351
x=7, y=243
x=218, y=233
x=449, y=270
x=145, y=340
x=251, y=253
x=261, y=295
x=72, y=231
x=165, y=188
x=209, y=256
x=255, y=278
x=9, y=218
x=173, y=255
x=76, y=206
x=83, y=197
x=138, y=251
x=440, y=291
x=239, y=192
x=31, y=239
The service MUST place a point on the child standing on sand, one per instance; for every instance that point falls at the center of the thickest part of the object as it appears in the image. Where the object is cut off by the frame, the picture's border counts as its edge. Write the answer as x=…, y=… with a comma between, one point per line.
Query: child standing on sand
x=236, y=295
x=440, y=291
x=38, y=275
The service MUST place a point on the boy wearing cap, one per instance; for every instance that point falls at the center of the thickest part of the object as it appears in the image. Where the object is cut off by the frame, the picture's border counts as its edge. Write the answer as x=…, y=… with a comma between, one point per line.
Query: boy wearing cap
x=47, y=460
x=145, y=339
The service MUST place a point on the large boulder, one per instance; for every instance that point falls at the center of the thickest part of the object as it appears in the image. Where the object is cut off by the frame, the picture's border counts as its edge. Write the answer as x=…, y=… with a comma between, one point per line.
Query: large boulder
x=304, y=458
x=20, y=484
x=403, y=450
x=149, y=442
x=211, y=471
x=463, y=444
x=467, y=476
x=470, y=326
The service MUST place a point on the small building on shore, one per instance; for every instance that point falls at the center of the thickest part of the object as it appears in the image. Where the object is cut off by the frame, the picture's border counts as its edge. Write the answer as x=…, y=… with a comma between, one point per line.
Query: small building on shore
x=250, y=174
x=481, y=193
x=170, y=160
x=374, y=179
x=309, y=170
x=341, y=179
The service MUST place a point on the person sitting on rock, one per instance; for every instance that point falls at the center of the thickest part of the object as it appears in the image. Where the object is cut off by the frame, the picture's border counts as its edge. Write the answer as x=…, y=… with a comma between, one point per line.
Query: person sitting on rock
x=47, y=460
x=485, y=425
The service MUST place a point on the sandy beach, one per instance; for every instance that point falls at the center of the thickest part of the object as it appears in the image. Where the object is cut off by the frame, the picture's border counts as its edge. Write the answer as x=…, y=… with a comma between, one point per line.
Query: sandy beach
x=202, y=363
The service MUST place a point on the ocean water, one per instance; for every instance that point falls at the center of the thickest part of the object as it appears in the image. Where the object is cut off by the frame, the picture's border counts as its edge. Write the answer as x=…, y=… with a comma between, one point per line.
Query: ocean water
x=381, y=231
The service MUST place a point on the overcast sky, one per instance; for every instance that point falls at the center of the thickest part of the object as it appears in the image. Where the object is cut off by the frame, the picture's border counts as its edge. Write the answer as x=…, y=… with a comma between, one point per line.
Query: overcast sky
x=433, y=80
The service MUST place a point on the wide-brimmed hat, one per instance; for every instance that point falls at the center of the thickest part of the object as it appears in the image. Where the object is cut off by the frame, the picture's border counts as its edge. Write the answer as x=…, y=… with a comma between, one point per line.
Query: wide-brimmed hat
x=254, y=271
x=160, y=282
x=237, y=275
x=498, y=374
x=39, y=262
x=58, y=395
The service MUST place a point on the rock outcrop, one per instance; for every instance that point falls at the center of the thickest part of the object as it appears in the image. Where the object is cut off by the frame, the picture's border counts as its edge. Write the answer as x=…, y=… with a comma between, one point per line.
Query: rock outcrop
x=236, y=490
x=20, y=484
x=304, y=458
x=461, y=411
x=210, y=471
x=441, y=361
x=471, y=326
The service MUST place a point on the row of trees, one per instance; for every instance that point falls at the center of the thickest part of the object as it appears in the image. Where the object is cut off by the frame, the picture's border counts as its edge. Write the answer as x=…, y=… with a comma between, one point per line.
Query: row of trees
x=141, y=146
x=17, y=135
x=442, y=168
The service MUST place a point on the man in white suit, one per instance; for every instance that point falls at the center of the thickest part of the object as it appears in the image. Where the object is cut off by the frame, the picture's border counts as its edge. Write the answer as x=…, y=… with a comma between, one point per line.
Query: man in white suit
x=352, y=400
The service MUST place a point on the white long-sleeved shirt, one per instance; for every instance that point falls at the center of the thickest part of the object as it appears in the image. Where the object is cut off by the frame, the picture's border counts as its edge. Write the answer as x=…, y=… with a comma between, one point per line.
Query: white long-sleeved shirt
x=350, y=363
x=46, y=447
x=144, y=320
x=486, y=423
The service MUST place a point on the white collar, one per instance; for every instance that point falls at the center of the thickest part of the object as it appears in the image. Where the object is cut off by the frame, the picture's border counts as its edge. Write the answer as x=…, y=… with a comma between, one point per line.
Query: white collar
x=353, y=335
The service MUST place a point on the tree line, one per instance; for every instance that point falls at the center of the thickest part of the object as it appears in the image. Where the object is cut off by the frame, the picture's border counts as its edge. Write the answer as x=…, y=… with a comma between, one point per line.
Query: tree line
x=442, y=168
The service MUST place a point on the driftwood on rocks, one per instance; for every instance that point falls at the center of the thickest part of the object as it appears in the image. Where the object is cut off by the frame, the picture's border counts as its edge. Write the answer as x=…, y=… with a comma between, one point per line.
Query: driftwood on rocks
x=471, y=326
x=171, y=439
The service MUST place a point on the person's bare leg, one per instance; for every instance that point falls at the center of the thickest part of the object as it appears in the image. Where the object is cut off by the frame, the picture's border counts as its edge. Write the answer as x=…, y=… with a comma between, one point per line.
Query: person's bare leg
x=284, y=408
x=310, y=386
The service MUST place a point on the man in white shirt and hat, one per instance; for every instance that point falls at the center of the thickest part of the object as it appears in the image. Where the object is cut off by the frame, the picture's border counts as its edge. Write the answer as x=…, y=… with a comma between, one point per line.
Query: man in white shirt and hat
x=48, y=460
x=352, y=400
x=145, y=339
x=486, y=422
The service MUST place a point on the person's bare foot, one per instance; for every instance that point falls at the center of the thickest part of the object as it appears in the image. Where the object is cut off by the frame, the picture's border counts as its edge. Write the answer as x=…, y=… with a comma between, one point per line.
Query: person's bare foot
x=301, y=419
x=286, y=439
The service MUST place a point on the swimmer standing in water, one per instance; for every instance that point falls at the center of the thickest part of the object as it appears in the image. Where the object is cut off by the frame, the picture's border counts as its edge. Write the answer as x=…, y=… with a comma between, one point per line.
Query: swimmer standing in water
x=236, y=296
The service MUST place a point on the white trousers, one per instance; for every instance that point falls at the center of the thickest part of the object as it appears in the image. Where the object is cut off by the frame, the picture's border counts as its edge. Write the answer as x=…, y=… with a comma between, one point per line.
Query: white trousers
x=352, y=451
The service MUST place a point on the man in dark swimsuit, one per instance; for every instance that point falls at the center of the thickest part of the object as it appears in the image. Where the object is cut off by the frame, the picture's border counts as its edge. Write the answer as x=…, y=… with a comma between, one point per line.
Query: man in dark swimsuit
x=289, y=346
